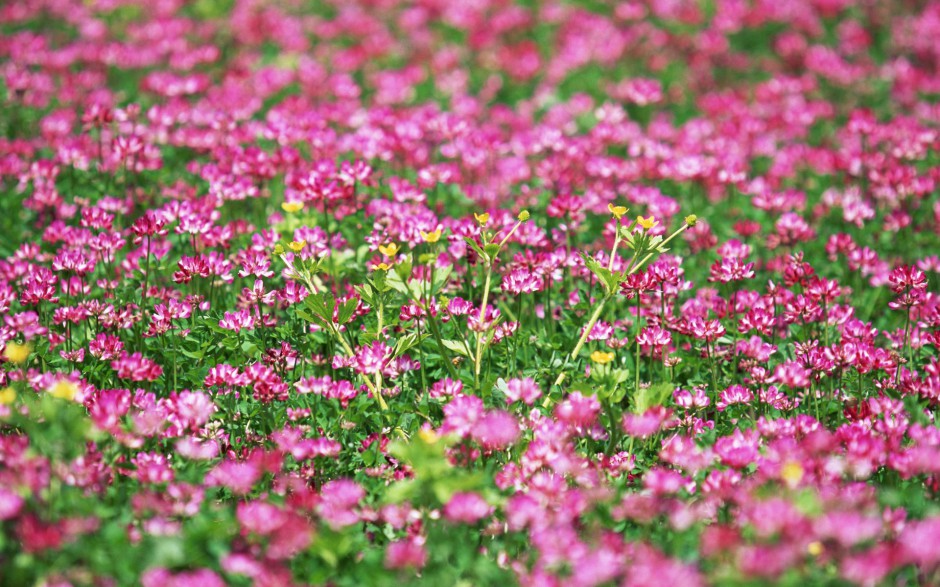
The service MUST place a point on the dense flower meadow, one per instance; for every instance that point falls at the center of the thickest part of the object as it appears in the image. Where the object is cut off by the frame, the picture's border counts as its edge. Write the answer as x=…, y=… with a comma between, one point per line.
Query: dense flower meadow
x=556, y=293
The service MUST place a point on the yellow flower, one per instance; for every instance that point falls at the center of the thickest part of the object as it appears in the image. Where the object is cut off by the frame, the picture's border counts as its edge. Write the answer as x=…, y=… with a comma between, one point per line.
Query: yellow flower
x=297, y=246
x=602, y=358
x=691, y=219
x=16, y=353
x=814, y=548
x=292, y=206
x=646, y=223
x=63, y=390
x=792, y=473
x=7, y=395
x=482, y=218
x=428, y=435
x=382, y=266
x=431, y=237
x=523, y=216
x=389, y=250
x=617, y=211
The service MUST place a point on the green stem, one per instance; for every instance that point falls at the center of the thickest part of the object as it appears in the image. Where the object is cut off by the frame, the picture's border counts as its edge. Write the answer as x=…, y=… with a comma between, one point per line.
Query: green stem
x=436, y=332
x=349, y=351
x=480, y=332
x=636, y=342
x=587, y=331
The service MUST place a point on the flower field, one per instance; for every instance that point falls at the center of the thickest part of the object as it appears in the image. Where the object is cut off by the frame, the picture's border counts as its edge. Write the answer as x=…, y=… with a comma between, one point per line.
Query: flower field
x=469, y=292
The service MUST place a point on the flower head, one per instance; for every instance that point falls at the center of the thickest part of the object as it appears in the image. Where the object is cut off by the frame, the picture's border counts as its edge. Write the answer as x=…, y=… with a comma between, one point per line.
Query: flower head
x=291, y=207
x=389, y=250
x=431, y=237
x=602, y=358
x=482, y=218
x=63, y=389
x=617, y=211
x=297, y=246
x=16, y=353
x=647, y=223
x=792, y=473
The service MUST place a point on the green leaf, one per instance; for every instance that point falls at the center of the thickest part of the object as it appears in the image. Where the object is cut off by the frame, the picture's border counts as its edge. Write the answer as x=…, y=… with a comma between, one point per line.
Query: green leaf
x=367, y=293
x=491, y=250
x=473, y=245
x=308, y=316
x=441, y=275
x=652, y=396
x=456, y=346
x=608, y=279
x=378, y=281
x=347, y=310
x=407, y=342
x=321, y=305
x=193, y=355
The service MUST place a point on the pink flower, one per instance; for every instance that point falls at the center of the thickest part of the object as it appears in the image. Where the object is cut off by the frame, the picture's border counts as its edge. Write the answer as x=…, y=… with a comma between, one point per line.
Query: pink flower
x=407, y=553
x=496, y=430
x=136, y=368
x=578, y=410
x=160, y=577
x=338, y=500
x=736, y=394
x=10, y=504
x=466, y=507
x=524, y=390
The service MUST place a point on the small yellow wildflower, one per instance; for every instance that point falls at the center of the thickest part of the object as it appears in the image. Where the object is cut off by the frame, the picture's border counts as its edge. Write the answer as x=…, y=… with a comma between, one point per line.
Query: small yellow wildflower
x=617, y=211
x=292, y=207
x=482, y=218
x=16, y=353
x=647, y=223
x=523, y=216
x=296, y=246
x=691, y=219
x=389, y=250
x=63, y=390
x=602, y=358
x=428, y=435
x=382, y=266
x=431, y=237
x=7, y=395
x=814, y=548
x=792, y=473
